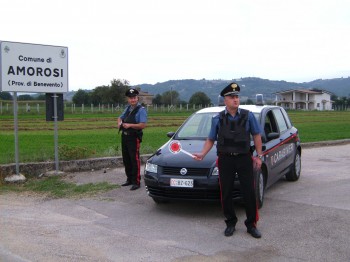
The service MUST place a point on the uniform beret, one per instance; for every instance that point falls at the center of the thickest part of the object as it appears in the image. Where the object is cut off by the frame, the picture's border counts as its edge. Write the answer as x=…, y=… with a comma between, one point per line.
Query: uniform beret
x=131, y=92
x=231, y=89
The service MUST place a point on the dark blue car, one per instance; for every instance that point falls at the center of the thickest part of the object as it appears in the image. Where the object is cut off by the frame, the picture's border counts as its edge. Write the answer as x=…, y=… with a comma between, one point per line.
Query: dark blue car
x=172, y=174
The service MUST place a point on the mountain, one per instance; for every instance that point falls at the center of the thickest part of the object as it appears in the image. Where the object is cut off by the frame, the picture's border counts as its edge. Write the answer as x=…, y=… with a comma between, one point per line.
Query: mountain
x=250, y=86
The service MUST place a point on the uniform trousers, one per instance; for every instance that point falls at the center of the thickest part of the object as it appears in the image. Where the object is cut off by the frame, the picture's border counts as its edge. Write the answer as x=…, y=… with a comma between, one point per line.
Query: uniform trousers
x=131, y=158
x=242, y=165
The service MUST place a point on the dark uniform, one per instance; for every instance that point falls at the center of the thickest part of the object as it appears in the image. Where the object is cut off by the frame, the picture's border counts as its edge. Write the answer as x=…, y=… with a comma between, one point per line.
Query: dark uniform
x=233, y=149
x=131, y=139
x=232, y=134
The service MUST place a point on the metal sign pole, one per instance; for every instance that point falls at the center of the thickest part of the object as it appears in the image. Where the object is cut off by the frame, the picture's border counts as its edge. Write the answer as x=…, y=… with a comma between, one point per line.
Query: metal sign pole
x=56, y=130
x=15, y=116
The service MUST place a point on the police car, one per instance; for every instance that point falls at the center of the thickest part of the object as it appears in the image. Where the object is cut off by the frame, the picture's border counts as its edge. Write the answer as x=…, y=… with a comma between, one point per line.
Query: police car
x=171, y=173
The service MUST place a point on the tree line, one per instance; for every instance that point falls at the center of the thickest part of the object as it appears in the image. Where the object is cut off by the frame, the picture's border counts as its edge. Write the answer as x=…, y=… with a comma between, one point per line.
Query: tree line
x=115, y=94
x=340, y=103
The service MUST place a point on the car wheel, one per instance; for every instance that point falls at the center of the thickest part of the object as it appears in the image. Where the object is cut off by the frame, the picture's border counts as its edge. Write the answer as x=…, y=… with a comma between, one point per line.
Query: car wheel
x=259, y=188
x=159, y=200
x=294, y=173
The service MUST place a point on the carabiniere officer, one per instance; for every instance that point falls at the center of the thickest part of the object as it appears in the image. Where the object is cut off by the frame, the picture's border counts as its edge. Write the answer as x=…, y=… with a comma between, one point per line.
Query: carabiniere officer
x=131, y=123
x=231, y=129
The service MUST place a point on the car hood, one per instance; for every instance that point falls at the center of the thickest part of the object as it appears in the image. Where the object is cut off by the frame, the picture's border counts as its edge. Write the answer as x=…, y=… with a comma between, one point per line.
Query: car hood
x=164, y=157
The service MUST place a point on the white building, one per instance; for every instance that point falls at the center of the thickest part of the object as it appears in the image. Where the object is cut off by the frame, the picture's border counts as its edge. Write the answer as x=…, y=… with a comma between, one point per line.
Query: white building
x=304, y=99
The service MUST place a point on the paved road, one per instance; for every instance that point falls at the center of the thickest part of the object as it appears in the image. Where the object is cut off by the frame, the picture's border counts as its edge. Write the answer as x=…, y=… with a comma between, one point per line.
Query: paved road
x=307, y=220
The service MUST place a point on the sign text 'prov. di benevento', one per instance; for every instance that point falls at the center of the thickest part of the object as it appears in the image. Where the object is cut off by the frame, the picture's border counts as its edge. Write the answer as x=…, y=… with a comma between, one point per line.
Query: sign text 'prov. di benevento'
x=33, y=68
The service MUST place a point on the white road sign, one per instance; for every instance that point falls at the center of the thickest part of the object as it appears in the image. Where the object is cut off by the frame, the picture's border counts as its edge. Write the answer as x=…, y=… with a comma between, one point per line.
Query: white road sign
x=33, y=68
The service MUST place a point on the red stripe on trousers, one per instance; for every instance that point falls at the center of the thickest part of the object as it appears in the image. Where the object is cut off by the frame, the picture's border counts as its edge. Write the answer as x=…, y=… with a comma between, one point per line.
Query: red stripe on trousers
x=138, y=176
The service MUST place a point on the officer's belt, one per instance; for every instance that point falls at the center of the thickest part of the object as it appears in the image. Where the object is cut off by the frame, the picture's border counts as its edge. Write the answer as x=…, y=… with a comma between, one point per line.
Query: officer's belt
x=126, y=133
x=231, y=154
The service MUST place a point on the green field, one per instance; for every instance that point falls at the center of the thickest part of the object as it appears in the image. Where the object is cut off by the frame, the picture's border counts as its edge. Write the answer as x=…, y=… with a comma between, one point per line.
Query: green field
x=317, y=126
x=96, y=135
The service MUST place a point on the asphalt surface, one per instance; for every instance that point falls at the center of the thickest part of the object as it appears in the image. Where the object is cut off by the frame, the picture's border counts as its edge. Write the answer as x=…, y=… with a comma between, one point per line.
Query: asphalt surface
x=307, y=220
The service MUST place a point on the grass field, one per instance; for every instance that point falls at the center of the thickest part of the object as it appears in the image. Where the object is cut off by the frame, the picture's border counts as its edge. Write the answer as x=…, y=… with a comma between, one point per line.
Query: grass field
x=96, y=135
x=316, y=126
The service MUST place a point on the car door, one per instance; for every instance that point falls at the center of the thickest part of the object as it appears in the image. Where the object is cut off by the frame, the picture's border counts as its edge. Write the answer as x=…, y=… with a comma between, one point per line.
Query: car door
x=284, y=154
x=271, y=141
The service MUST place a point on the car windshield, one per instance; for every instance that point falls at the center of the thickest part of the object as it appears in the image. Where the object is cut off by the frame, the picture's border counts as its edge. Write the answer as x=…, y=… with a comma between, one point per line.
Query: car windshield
x=198, y=126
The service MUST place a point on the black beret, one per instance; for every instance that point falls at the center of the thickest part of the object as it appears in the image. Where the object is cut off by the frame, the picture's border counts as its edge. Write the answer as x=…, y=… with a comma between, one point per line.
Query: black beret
x=231, y=89
x=131, y=92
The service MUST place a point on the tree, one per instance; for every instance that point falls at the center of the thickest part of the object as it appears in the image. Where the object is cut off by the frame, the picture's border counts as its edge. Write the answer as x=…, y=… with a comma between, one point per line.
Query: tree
x=40, y=96
x=117, y=90
x=157, y=100
x=100, y=95
x=81, y=97
x=25, y=98
x=115, y=93
x=170, y=98
x=340, y=103
x=199, y=98
x=250, y=102
x=5, y=96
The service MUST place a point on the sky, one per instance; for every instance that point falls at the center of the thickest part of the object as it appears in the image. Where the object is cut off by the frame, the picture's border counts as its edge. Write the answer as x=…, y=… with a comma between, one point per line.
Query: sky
x=150, y=41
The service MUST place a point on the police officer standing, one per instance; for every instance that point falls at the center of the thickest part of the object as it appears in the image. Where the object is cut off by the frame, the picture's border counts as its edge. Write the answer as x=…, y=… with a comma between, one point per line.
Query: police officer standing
x=232, y=129
x=130, y=123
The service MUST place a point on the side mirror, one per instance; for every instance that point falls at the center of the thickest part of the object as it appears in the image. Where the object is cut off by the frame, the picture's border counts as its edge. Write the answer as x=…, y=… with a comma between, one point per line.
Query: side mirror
x=170, y=134
x=273, y=135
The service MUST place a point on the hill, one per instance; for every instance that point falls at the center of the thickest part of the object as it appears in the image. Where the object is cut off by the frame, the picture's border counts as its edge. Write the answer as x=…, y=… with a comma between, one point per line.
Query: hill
x=250, y=86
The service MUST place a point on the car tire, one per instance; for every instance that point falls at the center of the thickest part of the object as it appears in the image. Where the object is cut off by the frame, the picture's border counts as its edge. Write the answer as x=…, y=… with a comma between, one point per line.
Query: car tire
x=295, y=171
x=159, y=200
x=259, y=188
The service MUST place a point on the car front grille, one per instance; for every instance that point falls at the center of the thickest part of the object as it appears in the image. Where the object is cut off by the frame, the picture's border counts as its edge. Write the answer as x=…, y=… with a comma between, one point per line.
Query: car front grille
x=180, y=193
x=190, y=171
x=188, y=194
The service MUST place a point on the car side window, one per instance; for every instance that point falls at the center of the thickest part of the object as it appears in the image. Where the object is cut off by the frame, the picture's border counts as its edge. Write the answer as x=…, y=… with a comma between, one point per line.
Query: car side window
x=286, y=117
x=270, y=124
x=281, y=122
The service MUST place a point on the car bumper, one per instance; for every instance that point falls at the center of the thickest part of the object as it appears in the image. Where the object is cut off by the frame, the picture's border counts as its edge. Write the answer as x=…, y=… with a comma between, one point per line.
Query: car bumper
x=204, y=188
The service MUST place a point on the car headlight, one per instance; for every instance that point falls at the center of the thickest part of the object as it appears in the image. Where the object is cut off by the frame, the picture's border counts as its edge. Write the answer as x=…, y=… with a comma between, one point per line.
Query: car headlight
x=215, y=171
x=151, y=167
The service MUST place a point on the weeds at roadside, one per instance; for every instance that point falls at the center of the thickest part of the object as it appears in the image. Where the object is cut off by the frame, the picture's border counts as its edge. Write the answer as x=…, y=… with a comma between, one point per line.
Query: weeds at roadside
x=67, y=152
x=55, y=187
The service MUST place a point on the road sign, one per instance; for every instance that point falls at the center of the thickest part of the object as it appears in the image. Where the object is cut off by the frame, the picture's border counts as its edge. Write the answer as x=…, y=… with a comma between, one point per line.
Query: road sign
x=33, y=68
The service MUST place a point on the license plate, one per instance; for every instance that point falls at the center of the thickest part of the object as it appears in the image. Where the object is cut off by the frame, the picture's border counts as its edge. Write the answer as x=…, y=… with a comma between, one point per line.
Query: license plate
x=181, y=182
